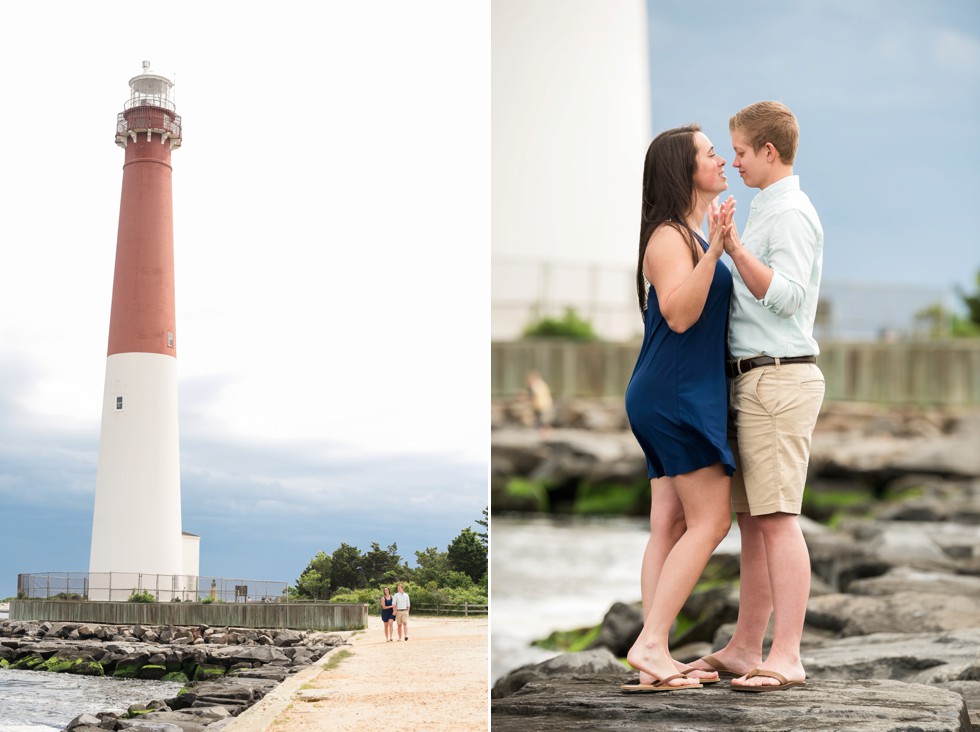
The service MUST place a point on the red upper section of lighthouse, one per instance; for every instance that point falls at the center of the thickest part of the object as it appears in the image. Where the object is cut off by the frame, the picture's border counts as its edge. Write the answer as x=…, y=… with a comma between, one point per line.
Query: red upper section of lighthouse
x=143, y=318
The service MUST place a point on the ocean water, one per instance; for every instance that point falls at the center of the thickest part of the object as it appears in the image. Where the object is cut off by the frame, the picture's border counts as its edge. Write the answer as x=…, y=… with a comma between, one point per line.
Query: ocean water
x=39, y=701
x=551, y=574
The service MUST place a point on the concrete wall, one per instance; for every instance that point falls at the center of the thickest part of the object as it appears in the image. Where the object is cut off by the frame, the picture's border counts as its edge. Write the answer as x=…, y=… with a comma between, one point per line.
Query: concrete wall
x=297, y=616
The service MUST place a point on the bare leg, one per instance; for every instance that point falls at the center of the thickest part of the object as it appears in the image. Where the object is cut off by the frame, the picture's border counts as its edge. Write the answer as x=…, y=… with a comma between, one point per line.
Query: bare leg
x=667, y=526
x=704, y=496
x=788, y=563
x=744, y=650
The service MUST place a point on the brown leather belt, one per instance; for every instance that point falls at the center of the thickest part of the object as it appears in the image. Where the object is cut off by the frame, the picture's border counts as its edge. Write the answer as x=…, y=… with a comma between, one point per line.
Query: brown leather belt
x=739, y=366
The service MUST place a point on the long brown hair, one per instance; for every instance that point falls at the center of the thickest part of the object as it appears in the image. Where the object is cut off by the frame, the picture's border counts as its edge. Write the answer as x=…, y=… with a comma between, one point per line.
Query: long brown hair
x=668, y=192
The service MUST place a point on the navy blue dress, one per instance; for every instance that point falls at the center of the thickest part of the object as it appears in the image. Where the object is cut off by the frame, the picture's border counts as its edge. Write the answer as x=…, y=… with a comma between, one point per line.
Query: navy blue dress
x=388, y=614
x=677, y=398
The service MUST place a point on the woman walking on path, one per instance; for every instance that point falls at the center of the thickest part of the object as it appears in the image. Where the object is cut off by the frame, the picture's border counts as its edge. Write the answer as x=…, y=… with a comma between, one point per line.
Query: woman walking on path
x=388, y=614
x=676, y=399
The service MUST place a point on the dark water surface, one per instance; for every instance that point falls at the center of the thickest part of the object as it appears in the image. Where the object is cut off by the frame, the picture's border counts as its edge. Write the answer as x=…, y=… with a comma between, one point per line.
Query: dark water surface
x=40, y=701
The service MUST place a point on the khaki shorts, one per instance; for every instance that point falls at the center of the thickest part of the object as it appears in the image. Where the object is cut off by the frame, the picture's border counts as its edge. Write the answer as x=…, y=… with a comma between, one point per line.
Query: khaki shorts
x=773, y=411
x=401, y=616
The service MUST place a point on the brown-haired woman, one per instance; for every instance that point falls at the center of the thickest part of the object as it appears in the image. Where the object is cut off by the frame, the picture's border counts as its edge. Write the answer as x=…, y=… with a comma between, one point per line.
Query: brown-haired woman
x=677, y=399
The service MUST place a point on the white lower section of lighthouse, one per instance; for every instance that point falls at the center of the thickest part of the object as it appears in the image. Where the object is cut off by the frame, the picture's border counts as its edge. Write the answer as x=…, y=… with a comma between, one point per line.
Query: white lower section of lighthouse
x=137, y=543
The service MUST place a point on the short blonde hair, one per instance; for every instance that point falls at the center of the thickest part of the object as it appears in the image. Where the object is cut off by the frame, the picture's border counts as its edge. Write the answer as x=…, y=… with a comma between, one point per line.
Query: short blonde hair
x=764, y=122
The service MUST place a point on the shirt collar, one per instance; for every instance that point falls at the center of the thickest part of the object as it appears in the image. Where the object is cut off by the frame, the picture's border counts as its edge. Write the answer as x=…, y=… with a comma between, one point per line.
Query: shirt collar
x=774, y=191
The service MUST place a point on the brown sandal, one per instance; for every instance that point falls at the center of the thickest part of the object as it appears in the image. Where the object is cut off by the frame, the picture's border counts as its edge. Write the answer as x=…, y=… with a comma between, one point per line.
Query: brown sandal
x=723, y=671
x=661, y=685
x=784, y=683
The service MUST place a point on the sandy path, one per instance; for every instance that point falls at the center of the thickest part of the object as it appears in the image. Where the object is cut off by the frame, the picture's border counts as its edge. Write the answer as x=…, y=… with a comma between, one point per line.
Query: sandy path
x=436, y=681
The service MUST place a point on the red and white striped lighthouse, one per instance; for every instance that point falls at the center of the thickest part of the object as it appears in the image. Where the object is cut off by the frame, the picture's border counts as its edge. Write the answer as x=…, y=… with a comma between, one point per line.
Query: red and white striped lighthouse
x=136, y=529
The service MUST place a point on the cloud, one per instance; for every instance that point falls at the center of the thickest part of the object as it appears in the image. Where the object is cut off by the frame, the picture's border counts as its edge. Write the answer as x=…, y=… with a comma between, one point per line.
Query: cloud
x=263, y=508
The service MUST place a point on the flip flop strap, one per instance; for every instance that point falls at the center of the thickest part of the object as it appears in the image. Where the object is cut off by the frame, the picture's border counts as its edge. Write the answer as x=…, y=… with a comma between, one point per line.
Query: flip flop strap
x=666, y=682
x=714, y=663
x=768, y=674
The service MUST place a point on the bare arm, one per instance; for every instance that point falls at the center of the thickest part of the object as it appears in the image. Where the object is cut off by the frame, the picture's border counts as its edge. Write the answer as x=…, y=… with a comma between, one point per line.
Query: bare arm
x=682, y=288
x=755, y=274
x=782, y=287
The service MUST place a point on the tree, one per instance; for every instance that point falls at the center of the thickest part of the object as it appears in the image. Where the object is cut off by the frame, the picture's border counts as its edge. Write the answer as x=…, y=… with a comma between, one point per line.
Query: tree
x=348, y=568
x=467, y=554
x=972, y=302
x=433, y=566
x=381, y=565
x=315, y=580
x=484, y=522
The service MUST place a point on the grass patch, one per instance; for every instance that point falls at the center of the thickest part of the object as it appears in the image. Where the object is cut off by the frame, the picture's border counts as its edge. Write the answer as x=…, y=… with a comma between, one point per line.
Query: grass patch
x=336, y=658
x=828, y=505
x=530, y=489
x=569, y=641
x=618, y=500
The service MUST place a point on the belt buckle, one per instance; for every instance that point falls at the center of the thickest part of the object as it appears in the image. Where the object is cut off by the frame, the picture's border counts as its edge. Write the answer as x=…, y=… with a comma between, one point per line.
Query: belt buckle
x=738, y=366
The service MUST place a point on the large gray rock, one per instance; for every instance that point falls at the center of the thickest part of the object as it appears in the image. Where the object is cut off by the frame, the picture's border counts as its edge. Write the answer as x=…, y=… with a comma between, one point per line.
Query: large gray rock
x=567, y=665
x=906, y=579
x=620, y=627
x=903, y=612
x=924, y=658
x=957, y=542
x=567, y=454
x=596, y=703
x=955, y=454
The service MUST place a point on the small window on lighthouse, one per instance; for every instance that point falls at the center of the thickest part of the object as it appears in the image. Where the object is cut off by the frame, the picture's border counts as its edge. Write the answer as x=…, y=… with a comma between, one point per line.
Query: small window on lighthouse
x=118, y=403
x=170, y=339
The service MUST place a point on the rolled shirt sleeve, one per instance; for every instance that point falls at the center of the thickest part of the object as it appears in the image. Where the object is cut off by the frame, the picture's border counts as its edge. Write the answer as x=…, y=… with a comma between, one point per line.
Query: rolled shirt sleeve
x=791, y=260
x=784, y=233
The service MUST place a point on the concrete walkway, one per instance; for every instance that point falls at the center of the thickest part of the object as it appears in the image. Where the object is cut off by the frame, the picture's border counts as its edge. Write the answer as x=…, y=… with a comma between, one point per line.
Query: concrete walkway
x=438, y=680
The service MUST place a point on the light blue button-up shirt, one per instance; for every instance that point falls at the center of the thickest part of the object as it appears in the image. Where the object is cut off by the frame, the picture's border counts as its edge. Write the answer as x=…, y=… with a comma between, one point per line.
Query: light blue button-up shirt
x=784, y=233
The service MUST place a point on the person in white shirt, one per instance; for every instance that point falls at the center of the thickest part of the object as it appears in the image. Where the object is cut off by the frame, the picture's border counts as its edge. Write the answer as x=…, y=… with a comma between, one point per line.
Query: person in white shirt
x=776, y=393
x=402, y=604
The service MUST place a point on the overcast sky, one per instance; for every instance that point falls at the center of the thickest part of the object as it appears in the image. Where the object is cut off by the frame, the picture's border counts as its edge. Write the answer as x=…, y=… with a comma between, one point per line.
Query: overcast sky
x=331, y=233
x=888, y=99
x=887, y=95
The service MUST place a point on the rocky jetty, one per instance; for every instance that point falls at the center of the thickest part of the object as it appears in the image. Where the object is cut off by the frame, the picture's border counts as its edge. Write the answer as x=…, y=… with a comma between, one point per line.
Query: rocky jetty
x=892, y=637
x=225, y=670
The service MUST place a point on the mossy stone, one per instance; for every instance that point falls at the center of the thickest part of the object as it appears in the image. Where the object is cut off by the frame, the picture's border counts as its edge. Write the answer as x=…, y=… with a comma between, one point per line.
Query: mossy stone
x=57, y=665
x=207, y=671
x=152, y=671
x=126, y=670
x=28, y=662
x=179, y=677
x=88, y=668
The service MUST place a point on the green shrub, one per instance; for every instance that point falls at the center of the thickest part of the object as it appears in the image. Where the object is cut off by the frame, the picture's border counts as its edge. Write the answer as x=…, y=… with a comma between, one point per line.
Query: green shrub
x=142, y=597
x=571, y=326
x=367, y=595
x=66, y=596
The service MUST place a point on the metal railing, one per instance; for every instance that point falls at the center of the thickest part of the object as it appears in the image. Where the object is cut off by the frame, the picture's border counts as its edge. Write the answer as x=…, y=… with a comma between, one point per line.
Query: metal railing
x=119, y=586
x=148, y=118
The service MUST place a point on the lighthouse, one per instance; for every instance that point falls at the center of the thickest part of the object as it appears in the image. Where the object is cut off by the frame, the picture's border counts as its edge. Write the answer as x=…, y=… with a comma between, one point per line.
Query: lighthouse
x=137, y=538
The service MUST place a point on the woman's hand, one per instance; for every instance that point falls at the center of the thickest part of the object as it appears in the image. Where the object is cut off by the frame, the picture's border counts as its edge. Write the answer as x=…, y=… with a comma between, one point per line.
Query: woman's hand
x=720, y=225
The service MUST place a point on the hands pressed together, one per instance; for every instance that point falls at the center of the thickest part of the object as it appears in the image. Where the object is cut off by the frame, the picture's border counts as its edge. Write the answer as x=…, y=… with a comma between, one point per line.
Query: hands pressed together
x=722, y=233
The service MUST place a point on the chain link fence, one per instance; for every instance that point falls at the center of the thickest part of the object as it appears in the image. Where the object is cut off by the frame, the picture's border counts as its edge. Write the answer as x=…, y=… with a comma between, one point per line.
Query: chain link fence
x=524, y=291
x=119, y=586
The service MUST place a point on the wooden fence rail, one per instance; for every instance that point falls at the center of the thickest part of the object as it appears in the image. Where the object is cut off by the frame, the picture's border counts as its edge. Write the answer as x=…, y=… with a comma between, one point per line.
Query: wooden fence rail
x=921, y=373
x=464, y=609
x=319, y=616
